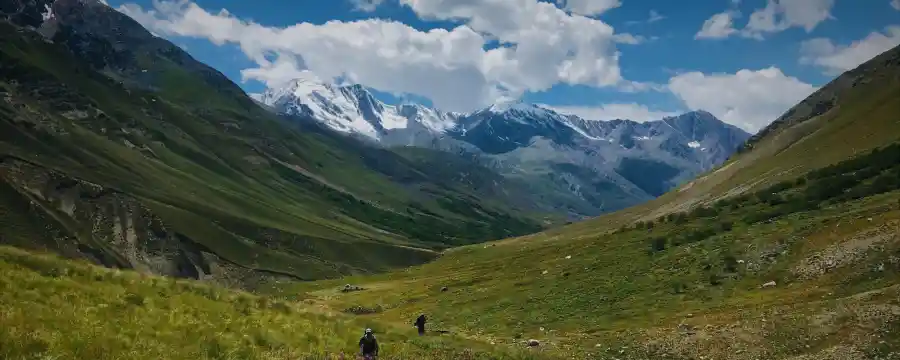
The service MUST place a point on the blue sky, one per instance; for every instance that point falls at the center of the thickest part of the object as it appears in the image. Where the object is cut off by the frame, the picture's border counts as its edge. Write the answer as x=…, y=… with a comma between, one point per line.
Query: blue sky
x=745, y=61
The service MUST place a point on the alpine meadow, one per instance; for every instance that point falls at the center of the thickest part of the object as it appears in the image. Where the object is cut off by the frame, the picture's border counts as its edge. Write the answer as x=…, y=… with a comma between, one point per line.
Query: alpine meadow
x=153, y=208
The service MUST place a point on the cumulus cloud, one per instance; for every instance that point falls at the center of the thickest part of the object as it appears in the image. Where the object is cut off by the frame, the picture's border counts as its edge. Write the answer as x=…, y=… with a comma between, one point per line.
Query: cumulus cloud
x=542, y=45
x=589, y=7
x=780, y=15
x=718, y=26
x=896, y=4
x=777, y=16
x=629, y=111
x=749, y=99
x=835, y=59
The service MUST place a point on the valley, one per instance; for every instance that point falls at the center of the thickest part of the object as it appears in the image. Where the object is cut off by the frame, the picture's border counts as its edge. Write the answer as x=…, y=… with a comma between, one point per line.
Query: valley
x=150, y=208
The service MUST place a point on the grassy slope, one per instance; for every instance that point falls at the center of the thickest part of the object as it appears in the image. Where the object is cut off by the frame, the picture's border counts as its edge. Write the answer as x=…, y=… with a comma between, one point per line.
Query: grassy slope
x=836, y=264
x=51, y=308
x=222, y=171
x=615, y=291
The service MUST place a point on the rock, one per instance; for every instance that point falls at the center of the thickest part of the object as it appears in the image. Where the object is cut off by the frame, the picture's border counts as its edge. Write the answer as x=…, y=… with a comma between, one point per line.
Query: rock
x=687, y=329
x=534, y=343
x=545, y=272
x=769, y=284
x=568, y=257
x=444, y=289
x=690, y=315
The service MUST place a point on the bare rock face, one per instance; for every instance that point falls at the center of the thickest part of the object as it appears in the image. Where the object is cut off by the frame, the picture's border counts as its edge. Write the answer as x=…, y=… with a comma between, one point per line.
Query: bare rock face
x=82, y=220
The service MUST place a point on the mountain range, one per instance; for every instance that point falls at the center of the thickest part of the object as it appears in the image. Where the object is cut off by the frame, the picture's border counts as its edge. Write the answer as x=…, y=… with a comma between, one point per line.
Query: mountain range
x=578, y=166
x=120, y=148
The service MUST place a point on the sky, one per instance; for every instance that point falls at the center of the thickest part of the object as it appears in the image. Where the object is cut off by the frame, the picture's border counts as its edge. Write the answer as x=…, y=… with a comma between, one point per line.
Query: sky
x=744, y=61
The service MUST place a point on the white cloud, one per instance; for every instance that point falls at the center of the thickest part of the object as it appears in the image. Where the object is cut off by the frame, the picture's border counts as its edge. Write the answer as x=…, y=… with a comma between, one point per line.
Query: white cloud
x=628, y=111
x=366, y=5
x=640, y=86
x=780, y=15
x=835, y=59
x=896, y=4
x=542, y=46
x=589, y=7
x=551, y=46
x=652, y=18
x=718, y=26
x=777, y=16
x=748, y=99
x=626, y=38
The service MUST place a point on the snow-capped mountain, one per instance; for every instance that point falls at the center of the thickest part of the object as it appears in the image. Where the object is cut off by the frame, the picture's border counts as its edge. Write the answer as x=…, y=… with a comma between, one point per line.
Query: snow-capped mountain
x=596, y=166
x=352, y=109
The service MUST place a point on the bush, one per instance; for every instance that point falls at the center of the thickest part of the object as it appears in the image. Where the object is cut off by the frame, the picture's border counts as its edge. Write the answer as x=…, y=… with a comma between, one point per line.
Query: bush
x=730, y=264
x=715, y=279
x=658, y=244
x=363, y=310
x=704, y=212
x=726, y=226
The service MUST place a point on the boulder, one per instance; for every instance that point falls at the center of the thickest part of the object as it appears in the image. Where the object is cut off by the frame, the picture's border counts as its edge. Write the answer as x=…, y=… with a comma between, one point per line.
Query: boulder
x=769, y=284
x=534, y=343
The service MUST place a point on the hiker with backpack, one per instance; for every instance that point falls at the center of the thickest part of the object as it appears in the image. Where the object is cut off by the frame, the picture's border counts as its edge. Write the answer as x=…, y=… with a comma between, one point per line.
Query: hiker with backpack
x=368, y=346
x=420, y=324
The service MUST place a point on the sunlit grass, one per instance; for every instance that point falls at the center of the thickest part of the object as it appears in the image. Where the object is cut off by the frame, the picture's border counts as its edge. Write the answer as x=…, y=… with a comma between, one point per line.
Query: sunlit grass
x=55, y=309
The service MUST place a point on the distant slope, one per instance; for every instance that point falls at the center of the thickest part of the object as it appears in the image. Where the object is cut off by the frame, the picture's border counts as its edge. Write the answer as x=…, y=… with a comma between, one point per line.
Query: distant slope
x=855, y=113
x=791, y=250
x=117, y=146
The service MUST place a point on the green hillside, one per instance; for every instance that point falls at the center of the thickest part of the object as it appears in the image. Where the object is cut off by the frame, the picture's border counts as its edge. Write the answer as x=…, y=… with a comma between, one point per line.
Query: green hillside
x=56, y=309
x=118, y=147
x=812, y=207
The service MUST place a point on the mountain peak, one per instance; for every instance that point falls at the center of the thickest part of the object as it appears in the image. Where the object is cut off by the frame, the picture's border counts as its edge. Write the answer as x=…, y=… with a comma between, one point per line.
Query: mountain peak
x=304, y=85
x=701, y=113
x=516, y=105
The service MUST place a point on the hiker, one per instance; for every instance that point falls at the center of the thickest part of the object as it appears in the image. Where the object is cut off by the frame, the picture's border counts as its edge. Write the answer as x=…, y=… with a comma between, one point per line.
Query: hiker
x=420, y=323
x=368, y=346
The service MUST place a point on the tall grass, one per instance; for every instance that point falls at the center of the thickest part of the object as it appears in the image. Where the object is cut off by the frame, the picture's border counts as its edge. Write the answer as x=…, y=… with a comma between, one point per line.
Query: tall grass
x=55, y=309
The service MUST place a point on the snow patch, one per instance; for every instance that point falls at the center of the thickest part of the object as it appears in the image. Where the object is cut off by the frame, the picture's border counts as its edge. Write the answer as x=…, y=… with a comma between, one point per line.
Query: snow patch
x=694, y=144
x=48, y=13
